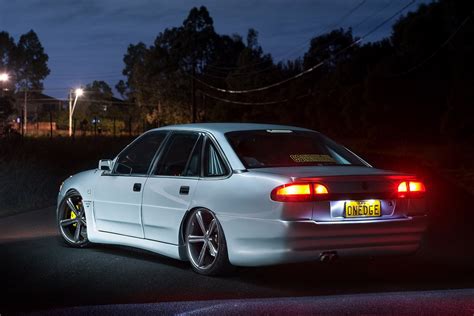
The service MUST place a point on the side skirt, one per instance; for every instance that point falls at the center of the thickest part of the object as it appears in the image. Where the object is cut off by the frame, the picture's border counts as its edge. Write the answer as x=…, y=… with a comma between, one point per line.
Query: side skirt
x=165, y=249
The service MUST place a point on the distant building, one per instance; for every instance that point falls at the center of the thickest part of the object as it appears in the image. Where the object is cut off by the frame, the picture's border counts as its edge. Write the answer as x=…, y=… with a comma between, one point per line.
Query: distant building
x=39, y=108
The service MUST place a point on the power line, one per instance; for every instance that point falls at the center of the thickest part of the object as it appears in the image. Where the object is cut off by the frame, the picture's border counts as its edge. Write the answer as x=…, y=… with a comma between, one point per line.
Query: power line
x=334, y=25
x=114, y=75
x=255, y=103
x=245, y=103
x=311, y=68
x=443, y=45
x=274, y=67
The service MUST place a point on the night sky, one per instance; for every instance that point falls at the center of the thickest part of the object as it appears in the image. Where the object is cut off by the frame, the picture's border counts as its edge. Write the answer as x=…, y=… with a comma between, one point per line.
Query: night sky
x=86, y=39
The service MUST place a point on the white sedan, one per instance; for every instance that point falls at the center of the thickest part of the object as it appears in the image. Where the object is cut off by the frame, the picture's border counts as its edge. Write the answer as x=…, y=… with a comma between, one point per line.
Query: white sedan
x=223, y=195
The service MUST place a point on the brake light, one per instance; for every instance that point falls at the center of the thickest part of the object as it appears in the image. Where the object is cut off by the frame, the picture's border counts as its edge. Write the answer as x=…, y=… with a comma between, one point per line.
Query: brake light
x=416, y=186
x=402, y=187
x=320, y=189
x=297, y=192
x=411, y=188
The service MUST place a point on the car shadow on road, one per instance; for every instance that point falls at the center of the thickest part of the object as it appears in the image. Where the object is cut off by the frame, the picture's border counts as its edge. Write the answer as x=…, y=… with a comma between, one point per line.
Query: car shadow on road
x=139, y=254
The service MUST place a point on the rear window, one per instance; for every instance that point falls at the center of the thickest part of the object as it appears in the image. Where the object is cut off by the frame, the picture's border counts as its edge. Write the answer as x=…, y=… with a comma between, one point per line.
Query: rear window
x=286, y=148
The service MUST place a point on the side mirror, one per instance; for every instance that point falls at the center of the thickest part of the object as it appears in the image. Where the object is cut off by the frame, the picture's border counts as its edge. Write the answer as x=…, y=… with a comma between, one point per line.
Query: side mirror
x=105, y=164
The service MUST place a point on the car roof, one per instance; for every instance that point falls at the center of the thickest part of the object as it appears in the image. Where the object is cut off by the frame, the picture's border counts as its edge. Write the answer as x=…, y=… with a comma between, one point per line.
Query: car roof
x=218, y=130
x=222, y=128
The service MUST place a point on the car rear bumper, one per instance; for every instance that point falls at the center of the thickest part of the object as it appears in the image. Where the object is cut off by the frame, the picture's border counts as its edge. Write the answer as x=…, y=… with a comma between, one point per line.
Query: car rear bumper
x=259, y=242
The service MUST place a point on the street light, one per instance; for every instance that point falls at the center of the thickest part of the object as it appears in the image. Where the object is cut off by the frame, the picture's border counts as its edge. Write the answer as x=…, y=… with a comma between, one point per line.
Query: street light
x=4, y=77
x=72, y=105
x=79, y=92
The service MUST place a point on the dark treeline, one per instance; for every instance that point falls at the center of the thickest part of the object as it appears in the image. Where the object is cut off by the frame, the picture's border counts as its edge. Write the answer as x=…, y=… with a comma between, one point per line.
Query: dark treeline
x=26, y=64
x=416, y=84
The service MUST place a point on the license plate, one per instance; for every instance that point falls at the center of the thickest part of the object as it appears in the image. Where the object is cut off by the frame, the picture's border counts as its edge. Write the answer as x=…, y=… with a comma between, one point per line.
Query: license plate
x=368, y=208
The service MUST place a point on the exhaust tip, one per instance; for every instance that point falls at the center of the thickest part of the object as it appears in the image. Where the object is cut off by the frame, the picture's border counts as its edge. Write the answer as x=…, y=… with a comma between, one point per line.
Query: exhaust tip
x=328, y=256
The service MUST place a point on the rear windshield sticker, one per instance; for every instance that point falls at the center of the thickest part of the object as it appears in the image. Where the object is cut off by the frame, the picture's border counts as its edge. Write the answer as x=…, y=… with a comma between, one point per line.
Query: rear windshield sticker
x=312, y=158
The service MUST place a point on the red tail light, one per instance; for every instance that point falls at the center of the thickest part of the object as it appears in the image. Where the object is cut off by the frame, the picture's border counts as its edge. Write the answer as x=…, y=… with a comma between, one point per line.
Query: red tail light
x=298, y=192
x=320, y=189
x=411, y=189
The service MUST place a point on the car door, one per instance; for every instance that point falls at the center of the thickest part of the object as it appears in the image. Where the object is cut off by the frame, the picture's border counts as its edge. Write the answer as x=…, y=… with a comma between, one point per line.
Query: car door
x=170, y=187
x=118, y=194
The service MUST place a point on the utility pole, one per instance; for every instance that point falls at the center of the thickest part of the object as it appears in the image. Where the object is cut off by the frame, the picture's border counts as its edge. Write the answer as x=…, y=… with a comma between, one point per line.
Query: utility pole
x=95, y=126
x=50, y=124
x=203, y=106
x=72, y=106
x=159, y=114
x=70, y=112
x=25, y=113
x=194, y=93
x=74, y=129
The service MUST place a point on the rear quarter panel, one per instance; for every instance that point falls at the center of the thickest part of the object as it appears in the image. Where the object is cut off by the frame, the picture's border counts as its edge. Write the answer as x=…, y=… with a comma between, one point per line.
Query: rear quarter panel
x=247, y=195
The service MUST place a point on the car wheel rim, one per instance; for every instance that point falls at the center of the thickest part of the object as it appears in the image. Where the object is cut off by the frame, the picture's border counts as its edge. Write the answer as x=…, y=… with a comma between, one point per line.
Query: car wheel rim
x=203, y=239
x=72, y=220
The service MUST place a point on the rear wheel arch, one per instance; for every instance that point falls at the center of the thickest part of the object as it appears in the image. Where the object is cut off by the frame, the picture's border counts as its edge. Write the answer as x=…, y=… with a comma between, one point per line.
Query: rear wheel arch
x=184, y=222
x=204, y=245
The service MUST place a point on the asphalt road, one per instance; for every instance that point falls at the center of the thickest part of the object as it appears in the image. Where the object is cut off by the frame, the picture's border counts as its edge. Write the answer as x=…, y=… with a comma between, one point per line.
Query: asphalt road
x=39, y=273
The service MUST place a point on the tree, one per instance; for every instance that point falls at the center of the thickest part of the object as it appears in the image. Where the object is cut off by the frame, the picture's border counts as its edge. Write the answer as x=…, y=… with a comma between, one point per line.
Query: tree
x=159, y=76
x=31, y=64
x=97, y=98
x=134, y=62
x=98, y=102
x=6, y=108
x=331, y=47
x=252, y=65
x=7, y=50
x=7, y=61
x=25, y=62
x=415, y=83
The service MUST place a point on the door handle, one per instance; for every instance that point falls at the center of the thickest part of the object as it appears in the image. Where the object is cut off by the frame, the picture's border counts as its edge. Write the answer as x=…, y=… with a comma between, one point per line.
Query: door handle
x=184, y=190
x=137, y=187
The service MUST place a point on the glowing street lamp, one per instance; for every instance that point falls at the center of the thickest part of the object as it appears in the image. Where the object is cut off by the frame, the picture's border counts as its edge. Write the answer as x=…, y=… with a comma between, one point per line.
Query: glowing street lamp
x=79, y=92
x=72, y=105
x=4, y=77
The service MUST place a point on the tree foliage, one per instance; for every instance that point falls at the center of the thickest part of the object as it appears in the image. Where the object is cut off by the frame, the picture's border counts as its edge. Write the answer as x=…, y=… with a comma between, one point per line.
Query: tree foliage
x=415, y=83
x=31, y=65
x=26, y=63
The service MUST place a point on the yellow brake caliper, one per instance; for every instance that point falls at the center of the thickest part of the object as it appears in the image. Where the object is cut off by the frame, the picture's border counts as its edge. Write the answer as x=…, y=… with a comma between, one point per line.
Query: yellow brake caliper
x=73, y=216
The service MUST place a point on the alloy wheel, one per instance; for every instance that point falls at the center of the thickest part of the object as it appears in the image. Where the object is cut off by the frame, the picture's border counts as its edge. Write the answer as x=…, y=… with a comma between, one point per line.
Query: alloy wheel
x=202, y=238
x=72, y=220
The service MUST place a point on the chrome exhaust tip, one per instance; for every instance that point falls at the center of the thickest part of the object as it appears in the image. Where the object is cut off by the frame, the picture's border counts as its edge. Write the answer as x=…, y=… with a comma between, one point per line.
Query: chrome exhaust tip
x=328, y=256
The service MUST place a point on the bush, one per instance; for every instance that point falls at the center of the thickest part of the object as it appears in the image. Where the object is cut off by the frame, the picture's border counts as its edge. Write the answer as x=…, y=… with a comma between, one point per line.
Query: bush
x=32, y=169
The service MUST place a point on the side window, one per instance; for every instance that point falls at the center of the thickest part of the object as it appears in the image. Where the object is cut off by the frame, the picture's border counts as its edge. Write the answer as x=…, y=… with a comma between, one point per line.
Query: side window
x=176, y=155
x=193, y=168
x=214, y=165
x=136, y=158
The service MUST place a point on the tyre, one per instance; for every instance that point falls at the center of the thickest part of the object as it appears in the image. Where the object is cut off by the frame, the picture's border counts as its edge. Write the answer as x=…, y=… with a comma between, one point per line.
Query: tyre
x=205, y=244
x=72, y=221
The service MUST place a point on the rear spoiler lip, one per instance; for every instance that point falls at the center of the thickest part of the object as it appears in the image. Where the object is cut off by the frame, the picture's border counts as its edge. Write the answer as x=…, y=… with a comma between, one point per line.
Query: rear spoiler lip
x=341, y=178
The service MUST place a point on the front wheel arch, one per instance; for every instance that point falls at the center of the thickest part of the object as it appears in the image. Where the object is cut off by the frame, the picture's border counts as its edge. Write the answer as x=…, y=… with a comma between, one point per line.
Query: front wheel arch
x=60, y=215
